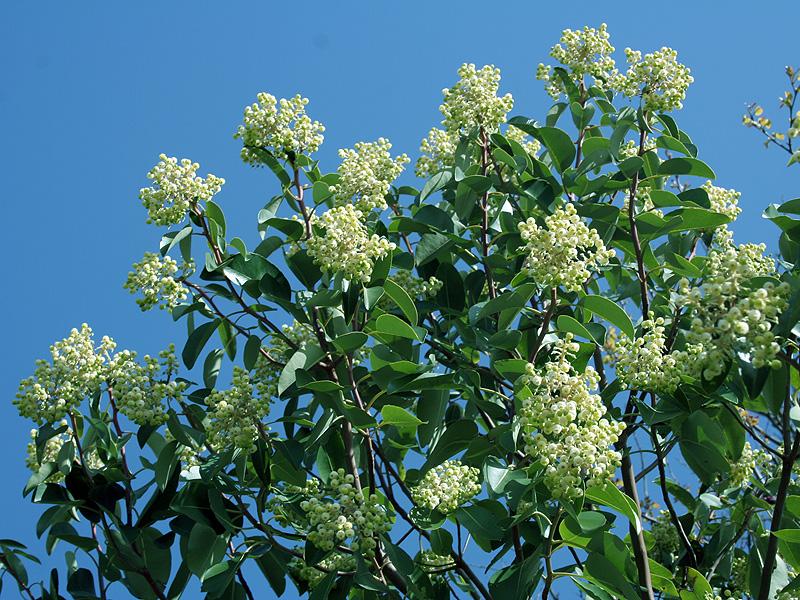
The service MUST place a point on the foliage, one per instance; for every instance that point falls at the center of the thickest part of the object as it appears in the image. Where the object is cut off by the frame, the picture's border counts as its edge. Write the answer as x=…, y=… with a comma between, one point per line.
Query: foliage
x=477, y=366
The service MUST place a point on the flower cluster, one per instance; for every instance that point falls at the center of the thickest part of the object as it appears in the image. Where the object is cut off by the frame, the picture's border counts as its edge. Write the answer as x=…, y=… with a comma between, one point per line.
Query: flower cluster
x=448, y=486
x=51, y=450
x=347, y=519
x=175, y=188
x=747, y=463
x=726, y=316
x=659, y=78
x=313, y=576
x=723, y=201
x=78, y=370
x=472, y=102
x=190, y=455
x=286, y=131
x=366, y=174
x=631, y=148
x=155, y=277
x=434, y=564
x=416, y=287
x=665, y=534
x=583, y=53
x=346, y=245
x=643, y=364
x=236, y=414
x=141, y=389
x=573, y=437
x=563, y=252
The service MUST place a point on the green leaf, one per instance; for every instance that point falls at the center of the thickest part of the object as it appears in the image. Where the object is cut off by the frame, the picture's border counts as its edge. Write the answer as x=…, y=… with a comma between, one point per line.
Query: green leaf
x=81, y=584
x=581, y=115
x=497, y=475
x=402, y=299
x=399, y=417
x=567, y=324
x=686, y=166
x=214, y=212
x=436, y=182
x=350, y=342
x=611, y=496
x=790, y=535
x=252, y=350
x=430, y=246
x=197, y=341
x=479, y=521
x=211, y=367
x=205, y=549
x=559, y=145
x=452, y=294
x=516, y=582
x=611, y=312
x=392, y=325
x=455, y=439
x=594, y=160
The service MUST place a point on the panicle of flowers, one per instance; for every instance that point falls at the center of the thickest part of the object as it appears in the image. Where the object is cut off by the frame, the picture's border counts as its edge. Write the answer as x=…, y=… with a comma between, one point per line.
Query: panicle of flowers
x=434, y=564
x=313, y=576
x=51, y=450
x=156, y=278
x=643, y=364
x=416, y=287
x=366, y=174
x=631, y=148
x=472, y=102
x=659, y=79
x=448, y=486
x=563, y=252
x=346, y=245
x=585, y=52
x=141, y=390
x=573, y=437
x=236, y=414
x=347, y=518
x=749, y=461
x=286, y=131
x=723, y=201
x=665, y=534
x=176, y=187
x=726, y=316
x=77, y=370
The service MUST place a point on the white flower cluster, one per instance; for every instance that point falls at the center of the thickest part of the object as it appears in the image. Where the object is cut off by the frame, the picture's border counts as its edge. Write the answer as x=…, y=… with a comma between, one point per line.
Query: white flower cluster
x=285, y=131
x=583, y=53
x=723, y=201
x=155, y=277
x=347, y=519
x=313, y=576
x=190, y=455
x=346, y=246
x=236, y=414
x=448, y=486
x=747, y=463
x=142, y=389
x=563, y=252
x=51, y=450
x=660, y=79
x=665, y=534
x=631, y=148
x=78, y=370
x=727, y=316
x=176, y=188
x=366, y=175
x=434, y=564
x=472, y=102
x=416, y=287
x=573, y=437
x=643, y=364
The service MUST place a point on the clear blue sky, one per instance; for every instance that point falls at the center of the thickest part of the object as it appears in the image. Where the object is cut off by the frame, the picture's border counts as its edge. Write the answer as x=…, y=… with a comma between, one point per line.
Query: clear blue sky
x=91, y=94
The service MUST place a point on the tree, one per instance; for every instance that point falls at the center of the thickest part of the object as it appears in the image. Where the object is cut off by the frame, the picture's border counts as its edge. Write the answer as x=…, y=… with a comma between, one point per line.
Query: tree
x=412, y=370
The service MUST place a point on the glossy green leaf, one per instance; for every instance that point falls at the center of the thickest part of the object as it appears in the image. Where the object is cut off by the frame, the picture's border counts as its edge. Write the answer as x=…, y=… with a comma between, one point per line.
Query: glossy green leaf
x=581, y=115
x=686, y=166
x=612, y=497
x=393, y=326
x=435, y=183
x=214, y=212
x=402, y=299
x=399, y=417
x=197, y=341
x=610, y=311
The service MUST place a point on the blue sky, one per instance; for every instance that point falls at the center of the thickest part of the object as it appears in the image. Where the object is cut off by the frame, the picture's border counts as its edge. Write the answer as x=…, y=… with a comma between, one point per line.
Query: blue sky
x=92, y=94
